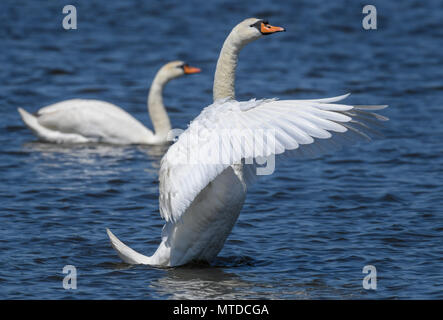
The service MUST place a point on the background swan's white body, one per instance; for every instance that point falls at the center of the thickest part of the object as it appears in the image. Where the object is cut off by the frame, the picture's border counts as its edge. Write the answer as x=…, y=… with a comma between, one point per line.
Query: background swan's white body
x=85, y=120
x=82, y=121
x=201, y=191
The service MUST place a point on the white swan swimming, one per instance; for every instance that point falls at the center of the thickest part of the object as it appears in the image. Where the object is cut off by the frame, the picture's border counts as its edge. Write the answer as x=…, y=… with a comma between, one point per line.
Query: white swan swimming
x=86, y=120
x=201, y=200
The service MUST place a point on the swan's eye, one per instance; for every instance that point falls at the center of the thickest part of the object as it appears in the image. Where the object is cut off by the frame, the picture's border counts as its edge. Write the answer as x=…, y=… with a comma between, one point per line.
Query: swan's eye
x=182, y=66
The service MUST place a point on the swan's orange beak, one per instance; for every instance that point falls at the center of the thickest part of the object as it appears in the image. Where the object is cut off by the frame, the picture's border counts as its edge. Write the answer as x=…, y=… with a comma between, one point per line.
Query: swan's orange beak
x=268, y=29
x=190, y=70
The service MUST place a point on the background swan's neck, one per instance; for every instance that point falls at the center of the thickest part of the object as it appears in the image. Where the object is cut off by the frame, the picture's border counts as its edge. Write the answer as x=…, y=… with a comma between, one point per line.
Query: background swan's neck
x=156, y=109
x=224, y=80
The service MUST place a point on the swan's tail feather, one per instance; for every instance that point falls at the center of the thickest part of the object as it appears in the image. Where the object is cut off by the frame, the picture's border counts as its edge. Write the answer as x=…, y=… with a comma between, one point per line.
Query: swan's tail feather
x=46, y=134
x=125, y=253
x=30, y=120
x=40, y=131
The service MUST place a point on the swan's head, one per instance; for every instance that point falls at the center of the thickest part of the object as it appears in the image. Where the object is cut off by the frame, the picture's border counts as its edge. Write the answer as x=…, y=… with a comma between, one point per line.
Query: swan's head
x=176, y=69
x=251, y=29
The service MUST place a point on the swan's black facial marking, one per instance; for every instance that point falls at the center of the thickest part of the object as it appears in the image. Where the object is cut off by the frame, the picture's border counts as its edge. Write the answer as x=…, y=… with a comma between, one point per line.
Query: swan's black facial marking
x=257, y=25
x=182, y=66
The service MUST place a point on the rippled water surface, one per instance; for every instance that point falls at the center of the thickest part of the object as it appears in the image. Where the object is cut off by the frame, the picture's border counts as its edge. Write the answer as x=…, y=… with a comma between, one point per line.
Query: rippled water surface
x=305, y=232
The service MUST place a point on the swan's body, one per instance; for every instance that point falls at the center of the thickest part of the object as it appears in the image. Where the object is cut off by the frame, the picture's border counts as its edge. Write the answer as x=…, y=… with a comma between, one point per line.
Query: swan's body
x=87, y=120
x=201, y=195
x=201, y=233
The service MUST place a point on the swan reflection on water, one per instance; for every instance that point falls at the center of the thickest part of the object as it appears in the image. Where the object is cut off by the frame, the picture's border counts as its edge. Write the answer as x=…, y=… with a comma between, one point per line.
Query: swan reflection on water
x=222, y=279
x=196, y=282
x=204, y=281
x=91, y=152
x=86, y=161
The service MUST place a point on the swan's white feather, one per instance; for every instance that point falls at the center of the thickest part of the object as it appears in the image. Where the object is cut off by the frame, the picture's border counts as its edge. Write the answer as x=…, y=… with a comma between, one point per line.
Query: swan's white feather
x=96, y=121
x=300, y=127
x=127, y=254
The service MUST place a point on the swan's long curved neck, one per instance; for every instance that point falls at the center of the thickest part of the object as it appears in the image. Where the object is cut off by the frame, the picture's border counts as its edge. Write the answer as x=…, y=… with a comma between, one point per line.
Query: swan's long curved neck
x=224, y=79
x=156, y=109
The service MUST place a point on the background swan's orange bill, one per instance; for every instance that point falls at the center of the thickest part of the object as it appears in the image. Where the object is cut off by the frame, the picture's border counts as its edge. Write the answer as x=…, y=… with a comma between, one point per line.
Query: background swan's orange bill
x=189, y=69
x=266, y=28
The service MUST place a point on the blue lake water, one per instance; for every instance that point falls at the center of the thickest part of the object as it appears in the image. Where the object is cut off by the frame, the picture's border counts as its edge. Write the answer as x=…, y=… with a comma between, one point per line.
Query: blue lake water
x=305, y=232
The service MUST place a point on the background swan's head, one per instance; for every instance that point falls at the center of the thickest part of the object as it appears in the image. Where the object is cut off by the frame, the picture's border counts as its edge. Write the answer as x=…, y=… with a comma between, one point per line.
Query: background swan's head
x=251, y=29
x=176, y=69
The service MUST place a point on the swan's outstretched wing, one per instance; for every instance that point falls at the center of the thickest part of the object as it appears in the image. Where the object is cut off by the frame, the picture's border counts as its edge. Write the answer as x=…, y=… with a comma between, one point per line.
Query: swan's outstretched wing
x=228, y=132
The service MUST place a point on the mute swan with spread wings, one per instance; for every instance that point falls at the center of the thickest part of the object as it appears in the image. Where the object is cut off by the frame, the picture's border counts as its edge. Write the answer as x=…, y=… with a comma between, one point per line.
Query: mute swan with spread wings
x=86, y=120
x=205, y=173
